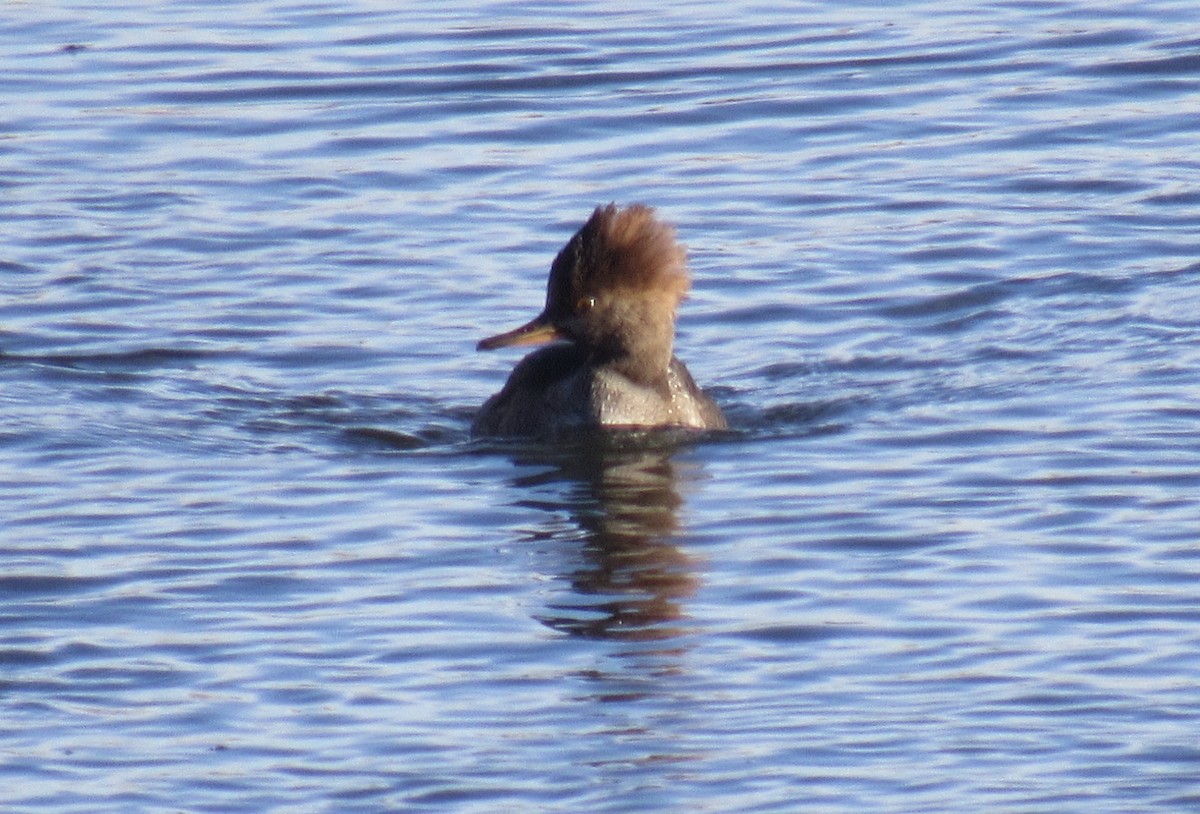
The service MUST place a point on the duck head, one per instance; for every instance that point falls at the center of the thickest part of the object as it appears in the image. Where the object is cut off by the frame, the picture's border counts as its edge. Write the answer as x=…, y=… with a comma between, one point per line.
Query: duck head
x=613, y=291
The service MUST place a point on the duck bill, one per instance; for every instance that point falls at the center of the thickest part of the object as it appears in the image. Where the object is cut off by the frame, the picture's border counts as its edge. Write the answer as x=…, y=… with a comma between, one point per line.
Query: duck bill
x=535, y=332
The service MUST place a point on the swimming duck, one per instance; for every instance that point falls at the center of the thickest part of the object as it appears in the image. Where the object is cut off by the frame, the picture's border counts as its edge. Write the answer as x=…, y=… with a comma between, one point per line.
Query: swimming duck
x=612, y=296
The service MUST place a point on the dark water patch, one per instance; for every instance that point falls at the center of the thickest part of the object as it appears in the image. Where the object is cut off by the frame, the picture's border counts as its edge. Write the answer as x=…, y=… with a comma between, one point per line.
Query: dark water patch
x=17, y=658
x=975, y=299
x=111, y=679
x=1173, y=199
x=787, y=371
x=1036, y=185
x=10, y=267
x=890, y=544
x=266, y=588
x=1181, y=65
x=980, y=302
x=914, y=205
x=30, y=586
x=363, y=422
x=796, y=420
x=134, y=360
x=1093, y=39
x=375, y=438
x=142, y=202
x=764, y=312
x=796, y=634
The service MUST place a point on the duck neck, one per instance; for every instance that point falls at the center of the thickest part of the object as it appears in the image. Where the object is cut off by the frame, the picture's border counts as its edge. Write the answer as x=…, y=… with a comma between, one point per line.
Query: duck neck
x=637, y=343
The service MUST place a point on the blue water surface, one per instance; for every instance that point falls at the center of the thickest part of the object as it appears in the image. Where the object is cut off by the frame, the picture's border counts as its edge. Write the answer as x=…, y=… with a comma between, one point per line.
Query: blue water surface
x=947, y=290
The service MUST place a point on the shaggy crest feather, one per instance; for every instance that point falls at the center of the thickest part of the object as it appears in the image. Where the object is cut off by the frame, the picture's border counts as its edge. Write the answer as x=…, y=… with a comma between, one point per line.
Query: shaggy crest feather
x=632, y=249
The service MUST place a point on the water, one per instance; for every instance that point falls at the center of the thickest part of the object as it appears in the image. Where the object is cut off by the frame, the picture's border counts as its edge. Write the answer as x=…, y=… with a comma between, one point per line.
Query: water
x=947, y=290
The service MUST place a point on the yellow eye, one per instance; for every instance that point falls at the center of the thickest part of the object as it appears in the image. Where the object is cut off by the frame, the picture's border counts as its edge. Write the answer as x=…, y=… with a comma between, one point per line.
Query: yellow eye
x=584, y=304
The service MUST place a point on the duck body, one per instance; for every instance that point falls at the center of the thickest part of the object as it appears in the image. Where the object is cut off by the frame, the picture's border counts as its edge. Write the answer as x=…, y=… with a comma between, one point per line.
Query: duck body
x=611, y=303
x=554, y=392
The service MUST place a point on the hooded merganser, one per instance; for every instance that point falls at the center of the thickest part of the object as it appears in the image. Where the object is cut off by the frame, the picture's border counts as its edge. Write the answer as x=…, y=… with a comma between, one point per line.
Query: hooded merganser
x=612, y=295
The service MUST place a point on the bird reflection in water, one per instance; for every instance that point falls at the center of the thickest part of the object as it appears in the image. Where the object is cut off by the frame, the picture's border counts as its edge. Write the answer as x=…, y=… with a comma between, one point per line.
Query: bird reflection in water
x=634, y=577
